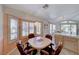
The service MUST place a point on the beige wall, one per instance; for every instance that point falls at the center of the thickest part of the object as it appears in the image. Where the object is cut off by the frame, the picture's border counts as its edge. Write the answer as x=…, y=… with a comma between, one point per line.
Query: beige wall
x=1, y=29
x=28, y=17
x=9, y=46
x=46, y=29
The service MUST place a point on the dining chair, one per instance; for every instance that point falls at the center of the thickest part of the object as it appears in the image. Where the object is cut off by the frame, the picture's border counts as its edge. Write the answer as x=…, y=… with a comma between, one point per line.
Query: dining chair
x=43, y=52
x=48, y=36
x=27, y=46
x=49, y=47
x=31, y=35
x=58, y=50
x=21, y=49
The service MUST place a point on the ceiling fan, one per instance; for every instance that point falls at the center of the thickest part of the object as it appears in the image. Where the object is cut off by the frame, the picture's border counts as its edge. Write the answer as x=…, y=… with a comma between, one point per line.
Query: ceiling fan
x=45, y=6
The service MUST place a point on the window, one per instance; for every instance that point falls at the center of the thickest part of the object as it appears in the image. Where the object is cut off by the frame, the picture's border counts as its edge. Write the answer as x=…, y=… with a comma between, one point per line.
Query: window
x=24, y=28
x=65, y=28
x=38, y=27
x=52, y=28
x=13, y=29
x=73, y=29
x=69, y=28
x=31, y=27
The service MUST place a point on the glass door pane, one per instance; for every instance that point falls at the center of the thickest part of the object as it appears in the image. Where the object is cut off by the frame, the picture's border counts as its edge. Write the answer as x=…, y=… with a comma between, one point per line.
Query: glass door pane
x=31, y=27
x=65, y=28
x=73, y=29
x=24, y=28
x=38, y=27
x=54, y=28
x=13, y=29
x=51, y=30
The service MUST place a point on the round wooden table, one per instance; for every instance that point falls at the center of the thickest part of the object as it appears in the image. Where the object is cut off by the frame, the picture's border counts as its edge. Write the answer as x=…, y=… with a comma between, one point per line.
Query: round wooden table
x=39, y=43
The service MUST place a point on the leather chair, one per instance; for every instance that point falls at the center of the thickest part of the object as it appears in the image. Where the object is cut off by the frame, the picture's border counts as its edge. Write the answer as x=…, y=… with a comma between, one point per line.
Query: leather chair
x=21, y=49
x=49, y=47
x=48, y=36
x=27, y=45
x=31, y=35
x=58, y=50
x=43, y=52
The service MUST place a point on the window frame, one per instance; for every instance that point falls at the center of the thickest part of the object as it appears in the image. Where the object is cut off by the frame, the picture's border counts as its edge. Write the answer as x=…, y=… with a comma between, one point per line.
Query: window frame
x=69, y=23
x=9, y=30
x=39, y=29
x=27, y=28
x=52, y=28
x=34, y=27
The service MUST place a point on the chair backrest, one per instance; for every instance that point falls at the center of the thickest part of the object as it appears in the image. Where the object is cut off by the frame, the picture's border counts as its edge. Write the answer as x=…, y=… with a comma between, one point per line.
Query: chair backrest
x=20, y=48
x=31, y=35
x=28, y=46
x=59, y=48
x=48, y=36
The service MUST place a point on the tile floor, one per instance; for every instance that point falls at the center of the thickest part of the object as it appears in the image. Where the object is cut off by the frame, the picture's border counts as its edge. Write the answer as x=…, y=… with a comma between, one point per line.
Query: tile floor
x=63, y=52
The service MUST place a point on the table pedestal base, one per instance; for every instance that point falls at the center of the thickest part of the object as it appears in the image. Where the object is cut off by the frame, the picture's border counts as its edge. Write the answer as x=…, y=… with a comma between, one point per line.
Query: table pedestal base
x=38, y=51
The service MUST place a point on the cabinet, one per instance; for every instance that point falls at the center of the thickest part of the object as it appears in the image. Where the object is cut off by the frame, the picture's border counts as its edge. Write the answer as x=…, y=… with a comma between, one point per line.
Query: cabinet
x=59, y=38
x=78, y=46
x=70, y=43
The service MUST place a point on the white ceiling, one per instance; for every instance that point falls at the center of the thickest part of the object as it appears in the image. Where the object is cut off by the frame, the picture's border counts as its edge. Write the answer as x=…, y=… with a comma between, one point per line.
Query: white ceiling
x=54, y=13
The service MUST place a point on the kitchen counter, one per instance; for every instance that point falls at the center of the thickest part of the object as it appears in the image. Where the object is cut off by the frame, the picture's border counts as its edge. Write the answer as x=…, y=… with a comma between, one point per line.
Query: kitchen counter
x=70, y=42
x=73, y=36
